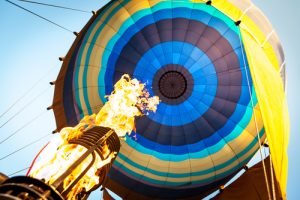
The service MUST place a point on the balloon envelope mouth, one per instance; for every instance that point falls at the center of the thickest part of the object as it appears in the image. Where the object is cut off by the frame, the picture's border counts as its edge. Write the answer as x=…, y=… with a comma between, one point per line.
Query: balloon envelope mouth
x=173, y=84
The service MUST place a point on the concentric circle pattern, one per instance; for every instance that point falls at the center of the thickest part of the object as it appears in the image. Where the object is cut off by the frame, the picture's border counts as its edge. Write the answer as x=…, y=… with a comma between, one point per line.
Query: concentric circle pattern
x=189, y=54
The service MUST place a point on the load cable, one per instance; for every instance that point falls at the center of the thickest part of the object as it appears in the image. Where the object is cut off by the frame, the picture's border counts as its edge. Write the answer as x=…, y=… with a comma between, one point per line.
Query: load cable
x=48, y=20
x=21, y=170
x=26, y=93
x=22, y=127
x=24, y=107
x=55, y=6
x=25, y=146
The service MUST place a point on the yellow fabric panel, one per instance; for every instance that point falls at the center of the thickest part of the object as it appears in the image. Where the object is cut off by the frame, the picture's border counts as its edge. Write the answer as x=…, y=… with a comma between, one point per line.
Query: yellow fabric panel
x=199, y=1
x=92, y=84
x=137, y=6
x=247, y=23
x=272, y=100
x=228, y=9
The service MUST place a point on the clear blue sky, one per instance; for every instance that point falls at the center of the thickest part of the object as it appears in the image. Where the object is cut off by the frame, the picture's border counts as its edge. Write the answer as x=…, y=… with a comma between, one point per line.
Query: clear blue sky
x=29, y=50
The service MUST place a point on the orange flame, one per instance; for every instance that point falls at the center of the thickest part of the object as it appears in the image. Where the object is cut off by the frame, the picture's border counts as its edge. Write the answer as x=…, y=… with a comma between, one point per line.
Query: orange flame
x=128, y=100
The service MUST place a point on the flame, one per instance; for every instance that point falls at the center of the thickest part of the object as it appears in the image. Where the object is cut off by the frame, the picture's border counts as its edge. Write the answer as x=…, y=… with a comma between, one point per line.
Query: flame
x=128, y=100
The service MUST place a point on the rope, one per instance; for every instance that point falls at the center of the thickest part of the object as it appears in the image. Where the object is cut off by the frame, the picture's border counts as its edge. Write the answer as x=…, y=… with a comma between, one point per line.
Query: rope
x=17, y=5
x=26, y=92
x=24, y=107
x=246, y=11
x=55, y=6
x=24, y=147
x=267, y=38
x=282, y=66
x=257, y=131
x=25, y=125
x=265, y=152
x=18, y=171
x=272, y=177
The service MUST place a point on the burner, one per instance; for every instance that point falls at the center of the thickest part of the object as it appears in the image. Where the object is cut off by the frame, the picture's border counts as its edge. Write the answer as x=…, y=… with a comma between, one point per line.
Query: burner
x=96, y=140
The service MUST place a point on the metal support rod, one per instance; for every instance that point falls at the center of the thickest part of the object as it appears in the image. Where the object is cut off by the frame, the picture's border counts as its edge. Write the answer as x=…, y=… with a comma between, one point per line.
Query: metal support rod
x=70, y=186
x=60, y=179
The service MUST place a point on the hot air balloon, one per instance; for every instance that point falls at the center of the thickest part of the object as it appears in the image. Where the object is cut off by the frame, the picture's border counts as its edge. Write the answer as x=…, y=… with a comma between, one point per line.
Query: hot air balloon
x=218, y=68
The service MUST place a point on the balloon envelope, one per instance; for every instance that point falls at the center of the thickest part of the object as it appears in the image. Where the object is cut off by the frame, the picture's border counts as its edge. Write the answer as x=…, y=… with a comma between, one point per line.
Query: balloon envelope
x=192, y=56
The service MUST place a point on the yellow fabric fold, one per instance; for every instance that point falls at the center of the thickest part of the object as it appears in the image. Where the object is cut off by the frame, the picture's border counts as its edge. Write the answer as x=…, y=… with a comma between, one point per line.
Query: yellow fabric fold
x=272, y=101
